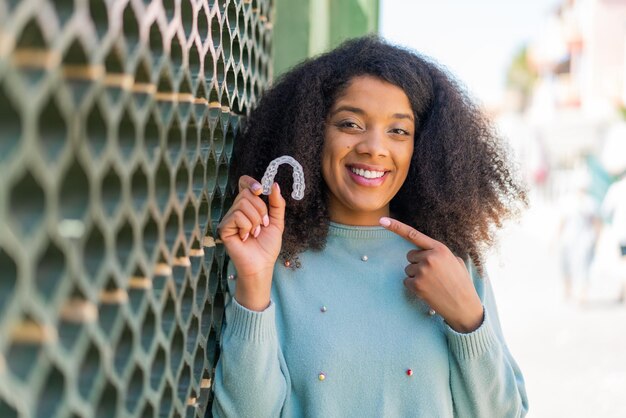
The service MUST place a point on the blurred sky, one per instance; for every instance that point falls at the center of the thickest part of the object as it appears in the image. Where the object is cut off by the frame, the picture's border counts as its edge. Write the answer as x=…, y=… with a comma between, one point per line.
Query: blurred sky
x=474, y=39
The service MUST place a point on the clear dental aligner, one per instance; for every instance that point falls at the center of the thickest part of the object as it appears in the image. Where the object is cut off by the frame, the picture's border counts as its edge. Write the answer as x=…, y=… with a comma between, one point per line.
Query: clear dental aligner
x=298, y=176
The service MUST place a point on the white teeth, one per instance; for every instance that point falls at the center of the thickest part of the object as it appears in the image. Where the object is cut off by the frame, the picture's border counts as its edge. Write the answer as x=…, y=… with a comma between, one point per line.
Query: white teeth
x=367, y=173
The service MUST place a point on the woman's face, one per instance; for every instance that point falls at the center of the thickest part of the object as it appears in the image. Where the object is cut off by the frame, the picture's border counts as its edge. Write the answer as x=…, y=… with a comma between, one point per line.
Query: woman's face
x=368, y=144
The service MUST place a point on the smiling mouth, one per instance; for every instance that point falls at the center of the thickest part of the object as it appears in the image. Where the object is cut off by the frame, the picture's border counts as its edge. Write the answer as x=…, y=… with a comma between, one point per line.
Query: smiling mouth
x=368, y=174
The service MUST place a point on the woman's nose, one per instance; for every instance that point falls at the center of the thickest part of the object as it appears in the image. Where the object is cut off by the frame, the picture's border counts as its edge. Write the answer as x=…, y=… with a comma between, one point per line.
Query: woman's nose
x=373, y=143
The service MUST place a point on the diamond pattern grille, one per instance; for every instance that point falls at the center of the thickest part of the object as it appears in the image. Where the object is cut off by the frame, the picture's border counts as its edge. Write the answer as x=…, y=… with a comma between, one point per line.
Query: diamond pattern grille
x=117, y=120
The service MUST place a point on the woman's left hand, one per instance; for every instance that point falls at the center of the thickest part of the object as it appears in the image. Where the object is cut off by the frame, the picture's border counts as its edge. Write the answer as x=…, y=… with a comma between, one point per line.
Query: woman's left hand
x=439, y=278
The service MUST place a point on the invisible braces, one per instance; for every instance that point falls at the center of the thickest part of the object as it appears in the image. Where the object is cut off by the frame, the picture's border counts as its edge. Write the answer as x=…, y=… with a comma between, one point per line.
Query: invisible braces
x=298, y=176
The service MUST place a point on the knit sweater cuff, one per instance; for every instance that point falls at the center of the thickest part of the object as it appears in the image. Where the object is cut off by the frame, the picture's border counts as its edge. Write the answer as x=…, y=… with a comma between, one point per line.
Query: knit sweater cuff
x=474, y=344
x=253, y=326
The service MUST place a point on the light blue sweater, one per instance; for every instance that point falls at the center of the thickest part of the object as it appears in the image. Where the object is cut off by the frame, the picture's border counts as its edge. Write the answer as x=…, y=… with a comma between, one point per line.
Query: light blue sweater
x=343, y=338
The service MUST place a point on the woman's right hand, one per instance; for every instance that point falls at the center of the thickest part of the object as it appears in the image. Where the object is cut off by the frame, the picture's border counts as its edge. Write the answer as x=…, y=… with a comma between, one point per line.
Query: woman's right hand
x=252, y=235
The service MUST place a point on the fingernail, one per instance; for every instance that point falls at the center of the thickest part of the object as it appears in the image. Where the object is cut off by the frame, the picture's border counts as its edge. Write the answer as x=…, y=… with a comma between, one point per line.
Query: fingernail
x=277, y=187
x=385, y=221
x=257, y=231
x=245, y=237
x=266, y=220
x=255, y=187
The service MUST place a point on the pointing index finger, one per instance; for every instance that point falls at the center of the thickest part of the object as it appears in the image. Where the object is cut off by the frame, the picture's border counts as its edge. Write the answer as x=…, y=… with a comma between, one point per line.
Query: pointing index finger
x=409, y=233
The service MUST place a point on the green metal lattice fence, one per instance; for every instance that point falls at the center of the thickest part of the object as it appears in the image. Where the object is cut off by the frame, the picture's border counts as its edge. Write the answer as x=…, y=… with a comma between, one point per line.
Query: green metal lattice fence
x=117, y=120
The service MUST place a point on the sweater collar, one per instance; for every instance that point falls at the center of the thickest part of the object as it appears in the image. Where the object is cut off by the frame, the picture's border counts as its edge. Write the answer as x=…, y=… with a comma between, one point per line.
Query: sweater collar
x=359, y=232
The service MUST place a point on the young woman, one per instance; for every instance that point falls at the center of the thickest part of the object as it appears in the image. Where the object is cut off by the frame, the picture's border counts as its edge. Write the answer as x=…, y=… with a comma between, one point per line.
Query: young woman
x=366, y=297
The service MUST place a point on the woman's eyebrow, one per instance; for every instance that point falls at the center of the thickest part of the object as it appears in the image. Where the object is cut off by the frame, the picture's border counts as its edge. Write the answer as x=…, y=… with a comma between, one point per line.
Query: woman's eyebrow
x=345, y=108
x=402, y=116
x=360, y=111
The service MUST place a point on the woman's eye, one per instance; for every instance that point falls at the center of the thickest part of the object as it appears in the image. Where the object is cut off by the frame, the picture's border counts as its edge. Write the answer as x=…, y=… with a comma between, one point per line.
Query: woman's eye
x=400, y=131
x=348, y=124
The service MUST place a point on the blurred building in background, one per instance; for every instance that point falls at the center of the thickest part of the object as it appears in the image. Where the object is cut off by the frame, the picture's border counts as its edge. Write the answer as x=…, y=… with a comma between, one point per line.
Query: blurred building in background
x=580, y=62
x=583, y=50
x=565, y=119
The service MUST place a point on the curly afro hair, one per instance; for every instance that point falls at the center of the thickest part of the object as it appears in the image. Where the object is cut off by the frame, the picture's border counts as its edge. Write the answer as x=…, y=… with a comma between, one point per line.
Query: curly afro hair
x=460, y=187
